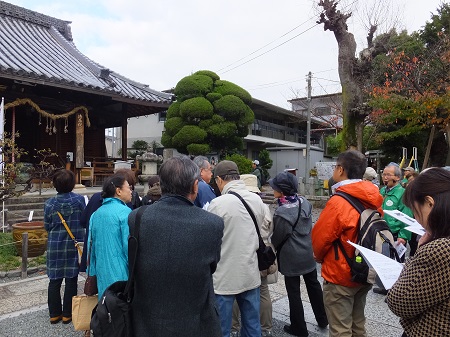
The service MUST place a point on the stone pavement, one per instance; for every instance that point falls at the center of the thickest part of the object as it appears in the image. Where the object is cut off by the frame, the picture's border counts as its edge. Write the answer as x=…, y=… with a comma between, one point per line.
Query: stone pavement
x=23, y=306
x=23, y=311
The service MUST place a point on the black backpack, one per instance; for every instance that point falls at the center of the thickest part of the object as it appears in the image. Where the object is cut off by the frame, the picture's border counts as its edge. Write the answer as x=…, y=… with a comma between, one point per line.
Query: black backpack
x=374, y=234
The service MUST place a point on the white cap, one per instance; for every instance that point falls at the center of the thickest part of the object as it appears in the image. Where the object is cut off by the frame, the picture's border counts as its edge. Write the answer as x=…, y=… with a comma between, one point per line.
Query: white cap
x=256, y=162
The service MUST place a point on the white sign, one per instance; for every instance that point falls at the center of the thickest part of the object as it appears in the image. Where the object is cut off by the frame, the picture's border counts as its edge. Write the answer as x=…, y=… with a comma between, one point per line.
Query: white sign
x=30, y=217
x=324, y=170
x=388, y=270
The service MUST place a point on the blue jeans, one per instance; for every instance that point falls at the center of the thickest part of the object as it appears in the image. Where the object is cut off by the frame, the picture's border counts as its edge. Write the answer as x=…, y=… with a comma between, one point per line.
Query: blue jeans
x=248, y=303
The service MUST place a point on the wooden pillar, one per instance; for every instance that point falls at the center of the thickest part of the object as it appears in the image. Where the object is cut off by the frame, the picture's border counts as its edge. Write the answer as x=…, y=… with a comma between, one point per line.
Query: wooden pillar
x=79, y=140
x=124, y=132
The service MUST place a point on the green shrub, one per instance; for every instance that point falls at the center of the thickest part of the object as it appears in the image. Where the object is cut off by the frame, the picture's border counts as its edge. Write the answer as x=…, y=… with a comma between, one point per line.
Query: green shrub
x=265, y=162
x=222, y=130
x=229, y=88
x=7, y=245
x=198, y=149
x=196, y=108
x=209, y=73
x=205, y=124
x=231, y=107
x=166, y=140
x=217, y=119
x=8, y=255
x=244, y=165
x=189, y=134
x=193, y=86
x=213, y=96
x=174, y=110
x=173, y=125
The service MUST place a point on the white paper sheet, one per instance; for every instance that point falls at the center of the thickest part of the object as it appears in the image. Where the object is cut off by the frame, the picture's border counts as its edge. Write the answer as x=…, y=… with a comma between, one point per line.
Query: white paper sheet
x=416, y=229
x=30, y=217
x=413, y=225
x=388, y=270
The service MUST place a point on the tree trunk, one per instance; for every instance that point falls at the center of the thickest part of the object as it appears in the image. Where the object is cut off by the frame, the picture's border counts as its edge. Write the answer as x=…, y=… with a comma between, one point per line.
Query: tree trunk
x=351, y=92
x=447, y=131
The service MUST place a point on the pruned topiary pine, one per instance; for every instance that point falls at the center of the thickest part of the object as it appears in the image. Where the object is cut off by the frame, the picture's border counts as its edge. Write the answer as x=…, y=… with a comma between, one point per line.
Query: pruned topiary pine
x=209, y=114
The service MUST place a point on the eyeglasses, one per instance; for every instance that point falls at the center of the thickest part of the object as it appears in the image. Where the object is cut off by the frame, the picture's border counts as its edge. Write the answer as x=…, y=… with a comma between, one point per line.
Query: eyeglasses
x=334, y=166
x=387, y=175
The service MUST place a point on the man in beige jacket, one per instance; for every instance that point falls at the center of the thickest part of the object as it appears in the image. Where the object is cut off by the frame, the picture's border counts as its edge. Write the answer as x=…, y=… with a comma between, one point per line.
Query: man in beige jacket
x=237, y=275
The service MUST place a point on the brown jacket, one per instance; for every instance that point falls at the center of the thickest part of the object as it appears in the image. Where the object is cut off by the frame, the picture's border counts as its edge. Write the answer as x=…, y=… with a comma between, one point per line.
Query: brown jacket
x=421, y=295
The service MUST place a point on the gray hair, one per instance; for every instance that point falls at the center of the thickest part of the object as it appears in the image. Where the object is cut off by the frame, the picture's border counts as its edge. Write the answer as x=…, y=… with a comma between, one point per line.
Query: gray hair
x=178, y=175
x=201, y=162
x=397, y=170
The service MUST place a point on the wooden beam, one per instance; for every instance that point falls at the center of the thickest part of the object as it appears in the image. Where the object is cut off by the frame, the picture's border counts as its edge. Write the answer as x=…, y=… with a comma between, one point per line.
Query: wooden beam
x=79, y=140
x=124, y=131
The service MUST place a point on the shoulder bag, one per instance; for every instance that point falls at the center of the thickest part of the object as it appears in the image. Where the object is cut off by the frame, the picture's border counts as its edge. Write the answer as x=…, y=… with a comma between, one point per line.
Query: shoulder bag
x=266, y=255
x=112, y=315
x=78, y=245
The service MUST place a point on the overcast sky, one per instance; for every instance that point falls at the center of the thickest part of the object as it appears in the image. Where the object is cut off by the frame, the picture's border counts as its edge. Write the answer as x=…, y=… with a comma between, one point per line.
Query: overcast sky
x=267, y=47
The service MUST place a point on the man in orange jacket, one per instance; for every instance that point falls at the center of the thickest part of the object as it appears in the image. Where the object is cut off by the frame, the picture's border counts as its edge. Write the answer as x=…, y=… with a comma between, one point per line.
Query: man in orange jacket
x=344, y=299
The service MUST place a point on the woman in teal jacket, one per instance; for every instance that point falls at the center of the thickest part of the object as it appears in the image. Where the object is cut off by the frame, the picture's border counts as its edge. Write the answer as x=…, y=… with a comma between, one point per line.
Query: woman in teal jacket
x=108, y=230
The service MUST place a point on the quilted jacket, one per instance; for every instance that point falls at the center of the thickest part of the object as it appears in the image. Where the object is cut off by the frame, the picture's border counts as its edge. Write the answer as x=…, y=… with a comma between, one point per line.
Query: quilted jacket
x=421, y=295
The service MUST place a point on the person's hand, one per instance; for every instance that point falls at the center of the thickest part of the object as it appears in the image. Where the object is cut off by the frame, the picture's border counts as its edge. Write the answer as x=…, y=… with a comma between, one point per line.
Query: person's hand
x=402, y=241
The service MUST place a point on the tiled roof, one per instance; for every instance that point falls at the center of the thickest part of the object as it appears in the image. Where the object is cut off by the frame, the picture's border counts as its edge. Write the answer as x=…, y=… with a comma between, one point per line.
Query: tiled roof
x=38, y=48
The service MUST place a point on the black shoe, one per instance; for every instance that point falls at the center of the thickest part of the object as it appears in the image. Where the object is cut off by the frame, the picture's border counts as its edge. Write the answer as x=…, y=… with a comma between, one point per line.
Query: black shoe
x=288, y=329
x=380, y=291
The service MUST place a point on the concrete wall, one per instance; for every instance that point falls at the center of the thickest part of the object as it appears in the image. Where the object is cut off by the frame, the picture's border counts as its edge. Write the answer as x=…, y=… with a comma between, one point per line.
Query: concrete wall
x=284, y=158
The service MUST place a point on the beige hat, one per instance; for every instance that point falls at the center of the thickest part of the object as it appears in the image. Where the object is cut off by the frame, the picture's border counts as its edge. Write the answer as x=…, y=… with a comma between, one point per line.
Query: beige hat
x=251, y=182
x=409, y=168
x=370, y=174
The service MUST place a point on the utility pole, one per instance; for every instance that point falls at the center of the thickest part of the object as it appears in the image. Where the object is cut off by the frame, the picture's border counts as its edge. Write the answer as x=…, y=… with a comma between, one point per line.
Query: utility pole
x=308, y=135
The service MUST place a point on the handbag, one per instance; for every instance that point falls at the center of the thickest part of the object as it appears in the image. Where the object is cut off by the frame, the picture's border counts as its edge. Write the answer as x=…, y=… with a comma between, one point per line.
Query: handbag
x=112, y=315
x=78, y=245
x=90, y=285
x=266, y=255
x=82, y=307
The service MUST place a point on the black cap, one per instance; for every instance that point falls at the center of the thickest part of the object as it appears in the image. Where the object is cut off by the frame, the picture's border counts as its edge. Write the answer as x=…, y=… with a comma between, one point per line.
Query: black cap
x=285, y=183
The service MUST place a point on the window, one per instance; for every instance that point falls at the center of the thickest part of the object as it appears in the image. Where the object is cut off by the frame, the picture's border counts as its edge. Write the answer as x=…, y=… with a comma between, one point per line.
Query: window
x=323, y=111
x=162, y=116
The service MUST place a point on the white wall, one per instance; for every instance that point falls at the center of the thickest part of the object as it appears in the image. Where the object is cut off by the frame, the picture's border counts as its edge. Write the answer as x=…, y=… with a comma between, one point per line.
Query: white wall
x=147, y=128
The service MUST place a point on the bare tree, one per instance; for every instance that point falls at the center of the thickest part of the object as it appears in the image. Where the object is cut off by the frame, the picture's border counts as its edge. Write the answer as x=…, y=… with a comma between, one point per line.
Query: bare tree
x=354, y=73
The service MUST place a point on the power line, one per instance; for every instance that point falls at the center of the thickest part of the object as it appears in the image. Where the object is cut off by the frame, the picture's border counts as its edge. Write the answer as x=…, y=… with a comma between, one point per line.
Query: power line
x=239, y=65
x=268, y=44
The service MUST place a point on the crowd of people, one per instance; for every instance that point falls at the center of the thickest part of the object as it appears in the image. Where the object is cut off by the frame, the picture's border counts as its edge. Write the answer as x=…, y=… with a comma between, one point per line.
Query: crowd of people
x=197, y=270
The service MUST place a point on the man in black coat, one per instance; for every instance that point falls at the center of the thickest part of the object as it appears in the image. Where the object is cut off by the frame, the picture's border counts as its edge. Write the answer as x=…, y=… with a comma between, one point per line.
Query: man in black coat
x=179, y=248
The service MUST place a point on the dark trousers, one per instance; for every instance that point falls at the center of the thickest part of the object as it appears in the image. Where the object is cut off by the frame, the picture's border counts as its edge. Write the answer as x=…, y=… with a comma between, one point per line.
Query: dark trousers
x=296, y=312
x=54, y=296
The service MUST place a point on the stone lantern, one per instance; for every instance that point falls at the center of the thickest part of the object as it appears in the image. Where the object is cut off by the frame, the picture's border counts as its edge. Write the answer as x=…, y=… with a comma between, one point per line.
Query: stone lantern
x=150, y=162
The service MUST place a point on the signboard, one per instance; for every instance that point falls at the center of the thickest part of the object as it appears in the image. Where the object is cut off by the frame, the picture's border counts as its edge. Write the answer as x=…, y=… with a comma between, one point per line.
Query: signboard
x=325, y=170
